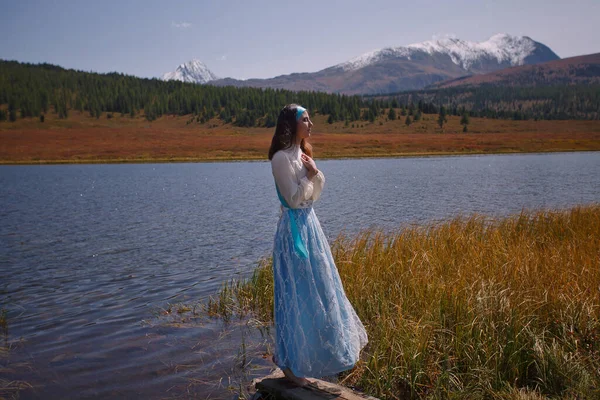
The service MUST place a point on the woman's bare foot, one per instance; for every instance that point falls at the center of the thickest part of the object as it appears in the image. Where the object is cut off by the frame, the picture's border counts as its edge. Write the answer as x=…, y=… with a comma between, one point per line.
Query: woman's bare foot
x=294, y=379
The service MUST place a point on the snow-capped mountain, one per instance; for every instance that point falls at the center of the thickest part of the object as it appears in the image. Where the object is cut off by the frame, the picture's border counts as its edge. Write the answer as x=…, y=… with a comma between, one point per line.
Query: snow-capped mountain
x=410, y=67
x=579, y=70
x=503, y=49
x=194, y=71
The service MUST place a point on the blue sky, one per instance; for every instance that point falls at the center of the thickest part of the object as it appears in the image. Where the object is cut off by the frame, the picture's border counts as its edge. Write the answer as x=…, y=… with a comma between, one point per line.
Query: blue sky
x=261, y=39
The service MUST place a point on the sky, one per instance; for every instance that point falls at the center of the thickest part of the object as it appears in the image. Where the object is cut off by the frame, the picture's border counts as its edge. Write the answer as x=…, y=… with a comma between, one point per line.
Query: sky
x=266, y=38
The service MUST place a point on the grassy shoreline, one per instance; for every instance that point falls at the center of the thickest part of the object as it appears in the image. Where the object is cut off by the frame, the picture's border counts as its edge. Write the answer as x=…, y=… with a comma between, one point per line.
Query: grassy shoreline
x=81, y=139
x=474, y=307
x=258, y=159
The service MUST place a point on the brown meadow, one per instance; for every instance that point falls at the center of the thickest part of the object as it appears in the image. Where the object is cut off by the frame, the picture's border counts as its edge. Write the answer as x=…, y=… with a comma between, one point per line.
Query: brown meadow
x=123, y=139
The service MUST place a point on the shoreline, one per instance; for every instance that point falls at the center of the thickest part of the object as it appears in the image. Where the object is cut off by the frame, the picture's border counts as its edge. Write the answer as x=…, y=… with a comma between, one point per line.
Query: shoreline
x=431, y=310
x=176, y=160
x=81, y=140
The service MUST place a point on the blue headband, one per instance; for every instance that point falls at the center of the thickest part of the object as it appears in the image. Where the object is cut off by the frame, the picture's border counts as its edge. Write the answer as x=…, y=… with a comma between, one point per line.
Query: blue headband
x=299, y=111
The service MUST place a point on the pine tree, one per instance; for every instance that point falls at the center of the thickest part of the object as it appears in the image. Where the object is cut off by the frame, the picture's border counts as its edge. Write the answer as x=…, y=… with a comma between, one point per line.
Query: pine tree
x=12, y=115
x=464, y=121
x=392, y=114
x=408, y=121
x=61, y=110
x=465, y=118
x=442, y=117
x=372, y=115
x=44, y=101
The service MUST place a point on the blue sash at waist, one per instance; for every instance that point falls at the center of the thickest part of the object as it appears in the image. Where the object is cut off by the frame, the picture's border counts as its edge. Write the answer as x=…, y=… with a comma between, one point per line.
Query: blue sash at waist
x=298, y=244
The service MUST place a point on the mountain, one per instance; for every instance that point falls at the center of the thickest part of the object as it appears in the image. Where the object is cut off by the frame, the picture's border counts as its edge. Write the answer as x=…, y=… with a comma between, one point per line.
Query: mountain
x=500, y=51
x=193, y=71
x=411, y=67
x=581, y=70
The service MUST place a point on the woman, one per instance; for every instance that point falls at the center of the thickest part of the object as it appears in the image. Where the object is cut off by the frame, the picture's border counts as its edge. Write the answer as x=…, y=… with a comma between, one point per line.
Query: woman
x=317, y=331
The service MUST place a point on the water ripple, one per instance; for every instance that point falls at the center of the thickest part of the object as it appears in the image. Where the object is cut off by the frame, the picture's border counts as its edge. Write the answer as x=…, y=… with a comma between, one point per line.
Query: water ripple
x=91, y=252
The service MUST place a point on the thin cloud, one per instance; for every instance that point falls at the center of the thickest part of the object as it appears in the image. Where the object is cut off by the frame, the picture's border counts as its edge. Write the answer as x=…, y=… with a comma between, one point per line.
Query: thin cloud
x=442, y=36
x=181, y=25
x=223, y=58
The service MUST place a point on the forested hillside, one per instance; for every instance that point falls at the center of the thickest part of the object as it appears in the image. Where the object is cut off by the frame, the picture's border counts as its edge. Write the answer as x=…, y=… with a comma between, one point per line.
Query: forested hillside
x=31, y=90
x=510, y=102
x=28, y=90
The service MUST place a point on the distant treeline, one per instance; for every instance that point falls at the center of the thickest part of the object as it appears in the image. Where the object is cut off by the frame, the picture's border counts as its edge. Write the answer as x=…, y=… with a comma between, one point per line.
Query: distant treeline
x=553, y=102
x=33, y=90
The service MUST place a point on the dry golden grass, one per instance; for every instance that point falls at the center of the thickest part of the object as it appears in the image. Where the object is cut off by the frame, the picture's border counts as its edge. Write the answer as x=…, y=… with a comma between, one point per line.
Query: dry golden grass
x=470, y=308
x=123, y=139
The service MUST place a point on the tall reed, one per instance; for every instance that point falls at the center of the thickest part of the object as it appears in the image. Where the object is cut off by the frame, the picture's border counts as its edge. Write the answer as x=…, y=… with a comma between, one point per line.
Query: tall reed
x=470, y=308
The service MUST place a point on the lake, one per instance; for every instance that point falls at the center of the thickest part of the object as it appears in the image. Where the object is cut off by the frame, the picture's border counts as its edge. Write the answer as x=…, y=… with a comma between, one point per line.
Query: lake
x=93, y=256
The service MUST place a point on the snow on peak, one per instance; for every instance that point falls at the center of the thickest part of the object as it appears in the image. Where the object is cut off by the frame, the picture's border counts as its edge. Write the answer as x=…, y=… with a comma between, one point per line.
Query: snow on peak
x=502, y=47
x=373, y=57
x=194, y=71
x=513, y=49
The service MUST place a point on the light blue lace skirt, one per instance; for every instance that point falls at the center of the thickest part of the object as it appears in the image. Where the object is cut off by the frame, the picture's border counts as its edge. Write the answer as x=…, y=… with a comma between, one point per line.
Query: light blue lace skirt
x=317, y=332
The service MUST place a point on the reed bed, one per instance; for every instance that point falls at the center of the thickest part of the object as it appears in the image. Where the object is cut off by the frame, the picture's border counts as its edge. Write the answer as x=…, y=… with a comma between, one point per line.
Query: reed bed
x=471, y=308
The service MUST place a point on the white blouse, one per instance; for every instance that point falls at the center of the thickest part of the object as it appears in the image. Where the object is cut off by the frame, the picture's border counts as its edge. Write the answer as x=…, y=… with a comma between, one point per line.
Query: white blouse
x=290, y=177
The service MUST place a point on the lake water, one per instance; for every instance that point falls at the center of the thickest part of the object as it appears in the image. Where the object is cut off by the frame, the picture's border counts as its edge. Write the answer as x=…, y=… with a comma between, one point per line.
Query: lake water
x=92, y=255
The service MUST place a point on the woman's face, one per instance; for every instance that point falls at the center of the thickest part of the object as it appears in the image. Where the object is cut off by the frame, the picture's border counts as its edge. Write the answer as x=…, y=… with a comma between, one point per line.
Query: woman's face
x=304, y=126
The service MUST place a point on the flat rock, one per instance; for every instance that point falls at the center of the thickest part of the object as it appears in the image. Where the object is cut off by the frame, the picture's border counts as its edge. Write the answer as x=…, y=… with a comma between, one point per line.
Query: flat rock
x=276, y=387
